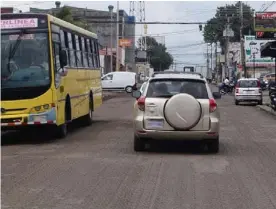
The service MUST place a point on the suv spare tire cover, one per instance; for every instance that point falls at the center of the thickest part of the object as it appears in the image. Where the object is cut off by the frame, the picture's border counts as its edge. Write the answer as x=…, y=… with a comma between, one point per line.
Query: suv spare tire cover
x=182, y=111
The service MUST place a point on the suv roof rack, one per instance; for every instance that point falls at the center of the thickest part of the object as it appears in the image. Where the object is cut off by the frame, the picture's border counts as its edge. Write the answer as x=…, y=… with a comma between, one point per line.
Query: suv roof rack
x=177, y=72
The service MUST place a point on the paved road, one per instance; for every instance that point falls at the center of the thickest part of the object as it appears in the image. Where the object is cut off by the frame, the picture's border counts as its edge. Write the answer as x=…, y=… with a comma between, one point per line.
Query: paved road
x=97, y=168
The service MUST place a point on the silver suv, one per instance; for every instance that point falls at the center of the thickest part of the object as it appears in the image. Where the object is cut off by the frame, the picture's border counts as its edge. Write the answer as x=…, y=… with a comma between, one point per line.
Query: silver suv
x=177, y=106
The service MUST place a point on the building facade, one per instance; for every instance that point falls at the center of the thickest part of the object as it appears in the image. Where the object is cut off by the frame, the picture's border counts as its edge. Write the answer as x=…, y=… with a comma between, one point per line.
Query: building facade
x=105, y=32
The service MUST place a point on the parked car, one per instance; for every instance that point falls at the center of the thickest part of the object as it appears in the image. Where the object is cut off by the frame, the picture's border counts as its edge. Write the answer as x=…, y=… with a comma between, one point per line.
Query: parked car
x=248, y=90
x=120, y=81
x=177, y=106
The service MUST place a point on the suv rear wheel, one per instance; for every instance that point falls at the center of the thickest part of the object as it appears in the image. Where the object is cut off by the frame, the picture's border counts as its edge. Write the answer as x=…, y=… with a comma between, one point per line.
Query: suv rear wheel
x=260, y=102
x=213, y=146
x=139, y=144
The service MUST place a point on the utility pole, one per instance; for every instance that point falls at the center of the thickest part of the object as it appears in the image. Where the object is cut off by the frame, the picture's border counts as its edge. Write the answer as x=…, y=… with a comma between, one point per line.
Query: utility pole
x=216, y=57
x=211, y=58
x=242, y=42
x=207, y=60
x=110, y=7
x=117, y=38
x=226, y=49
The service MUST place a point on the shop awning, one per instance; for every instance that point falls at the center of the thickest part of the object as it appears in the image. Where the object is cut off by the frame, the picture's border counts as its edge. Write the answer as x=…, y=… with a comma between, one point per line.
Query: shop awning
x=269, y=49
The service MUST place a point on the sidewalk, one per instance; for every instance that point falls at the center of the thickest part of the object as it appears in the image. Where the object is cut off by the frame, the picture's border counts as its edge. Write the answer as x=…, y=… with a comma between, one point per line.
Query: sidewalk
x=266, y=102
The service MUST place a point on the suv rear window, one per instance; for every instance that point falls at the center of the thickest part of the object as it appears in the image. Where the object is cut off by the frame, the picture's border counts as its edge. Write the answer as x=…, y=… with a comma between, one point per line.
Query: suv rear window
x=169, y=87
x=248, y=84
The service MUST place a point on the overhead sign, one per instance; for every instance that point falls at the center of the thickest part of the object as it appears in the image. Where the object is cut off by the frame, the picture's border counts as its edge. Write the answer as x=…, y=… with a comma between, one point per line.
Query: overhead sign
x=265, y=35
x=19, y=23
x=265, y=21
x=252, y=49
x=5, y=10
x=125, y=42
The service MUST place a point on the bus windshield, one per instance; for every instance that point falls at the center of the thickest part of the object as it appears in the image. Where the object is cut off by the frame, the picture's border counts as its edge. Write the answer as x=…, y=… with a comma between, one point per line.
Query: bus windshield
x=24, y=60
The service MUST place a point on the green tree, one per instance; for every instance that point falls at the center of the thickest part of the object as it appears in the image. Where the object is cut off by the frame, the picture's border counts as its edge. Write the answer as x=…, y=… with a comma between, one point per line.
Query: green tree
x=157, y=54
x=65, y=14
x=213, y=30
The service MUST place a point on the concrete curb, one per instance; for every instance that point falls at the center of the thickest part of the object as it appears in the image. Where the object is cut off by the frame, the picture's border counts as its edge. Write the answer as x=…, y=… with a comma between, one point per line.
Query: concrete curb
x=266, y=109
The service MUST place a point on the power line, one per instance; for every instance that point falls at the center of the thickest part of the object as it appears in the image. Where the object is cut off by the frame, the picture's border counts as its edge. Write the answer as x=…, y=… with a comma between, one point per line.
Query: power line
x=148, y=23
x=269, y=6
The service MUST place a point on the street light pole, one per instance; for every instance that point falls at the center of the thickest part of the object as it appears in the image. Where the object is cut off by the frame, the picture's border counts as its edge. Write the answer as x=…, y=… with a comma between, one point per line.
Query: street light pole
x=110, y=8
x=254, y=64
x=117, y=40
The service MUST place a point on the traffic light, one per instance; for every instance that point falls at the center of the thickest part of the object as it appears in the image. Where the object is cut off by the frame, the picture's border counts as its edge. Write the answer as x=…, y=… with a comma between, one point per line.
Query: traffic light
x=200, y=27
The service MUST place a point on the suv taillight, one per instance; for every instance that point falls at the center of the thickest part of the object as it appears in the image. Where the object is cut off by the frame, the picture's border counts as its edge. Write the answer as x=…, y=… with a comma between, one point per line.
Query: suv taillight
x=259, y=84
x=141, y=103
x=237, y=90
x=213, y=105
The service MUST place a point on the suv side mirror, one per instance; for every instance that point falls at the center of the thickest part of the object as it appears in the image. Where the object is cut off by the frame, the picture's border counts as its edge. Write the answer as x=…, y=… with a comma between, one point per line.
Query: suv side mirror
x=63, y=58
x=216, y=95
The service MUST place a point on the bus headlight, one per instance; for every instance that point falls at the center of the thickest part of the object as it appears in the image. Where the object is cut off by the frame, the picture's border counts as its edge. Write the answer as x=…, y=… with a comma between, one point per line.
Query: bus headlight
x=42, y=108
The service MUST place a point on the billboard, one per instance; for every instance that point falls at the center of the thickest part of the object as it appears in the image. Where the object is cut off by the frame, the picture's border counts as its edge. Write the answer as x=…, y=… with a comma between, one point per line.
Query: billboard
x=266, y=35
x=125, y=42
x=265, y=21
x=252, y=49
x=6, y=10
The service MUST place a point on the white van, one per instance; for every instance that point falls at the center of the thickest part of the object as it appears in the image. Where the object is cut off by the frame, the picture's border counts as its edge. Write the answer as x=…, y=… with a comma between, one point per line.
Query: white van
x=119, y=81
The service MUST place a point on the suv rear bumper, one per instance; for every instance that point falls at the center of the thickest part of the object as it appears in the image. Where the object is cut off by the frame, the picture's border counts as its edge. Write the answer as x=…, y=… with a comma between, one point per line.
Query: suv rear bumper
x=212, y=133
x=248, y=97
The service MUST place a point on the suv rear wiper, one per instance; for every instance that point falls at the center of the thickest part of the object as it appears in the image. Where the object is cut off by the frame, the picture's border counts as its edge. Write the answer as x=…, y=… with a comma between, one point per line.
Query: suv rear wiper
x=164, y=95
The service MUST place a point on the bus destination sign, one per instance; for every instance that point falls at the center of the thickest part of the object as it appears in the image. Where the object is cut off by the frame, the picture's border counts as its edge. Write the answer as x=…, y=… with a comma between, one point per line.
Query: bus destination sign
x=19, y=23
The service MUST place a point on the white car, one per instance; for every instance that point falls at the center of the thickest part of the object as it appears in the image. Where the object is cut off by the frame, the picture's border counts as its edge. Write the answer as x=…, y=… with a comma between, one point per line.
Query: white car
x=248, y=90
x=120, y=81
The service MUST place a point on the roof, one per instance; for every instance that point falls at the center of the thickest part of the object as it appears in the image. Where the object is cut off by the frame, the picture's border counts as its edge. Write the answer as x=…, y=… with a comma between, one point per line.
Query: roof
x=247, y=79
x=71, y=26
x=166, y=73
x=54, y=20
x=177, y=75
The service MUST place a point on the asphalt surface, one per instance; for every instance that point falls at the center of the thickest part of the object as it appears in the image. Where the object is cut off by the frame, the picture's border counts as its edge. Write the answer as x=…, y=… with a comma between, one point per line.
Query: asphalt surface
x=96, y=167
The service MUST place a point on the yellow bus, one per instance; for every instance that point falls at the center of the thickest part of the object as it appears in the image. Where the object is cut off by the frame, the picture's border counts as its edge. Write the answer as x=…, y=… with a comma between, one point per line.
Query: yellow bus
x=50, y=73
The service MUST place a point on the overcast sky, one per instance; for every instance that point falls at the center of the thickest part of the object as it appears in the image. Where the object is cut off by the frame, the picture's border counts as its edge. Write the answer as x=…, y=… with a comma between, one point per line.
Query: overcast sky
x=175, y=36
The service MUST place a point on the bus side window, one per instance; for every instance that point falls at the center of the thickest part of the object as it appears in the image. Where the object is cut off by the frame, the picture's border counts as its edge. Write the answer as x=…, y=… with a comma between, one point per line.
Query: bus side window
x=93, y=53
x=84, y=52
x=78, y=52
x=88, y=52
x=71, y=50
x=97, y=54
x=64, y=44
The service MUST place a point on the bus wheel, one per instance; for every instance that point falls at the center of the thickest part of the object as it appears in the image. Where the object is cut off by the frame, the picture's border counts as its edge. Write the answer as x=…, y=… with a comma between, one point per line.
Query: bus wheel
x=88, y=119
x=61, y=131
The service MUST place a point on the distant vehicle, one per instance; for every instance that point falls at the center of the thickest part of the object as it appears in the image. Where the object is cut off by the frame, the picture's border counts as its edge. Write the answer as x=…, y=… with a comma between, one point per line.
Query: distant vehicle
x=120, y=81
x=176, y=106
x=189, y=69
x=268, y=78
x=248, y=90
x=55, y=75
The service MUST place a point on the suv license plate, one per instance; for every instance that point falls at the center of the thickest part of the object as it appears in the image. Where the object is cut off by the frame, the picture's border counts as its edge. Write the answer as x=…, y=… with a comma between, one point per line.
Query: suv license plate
x=155, y=123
